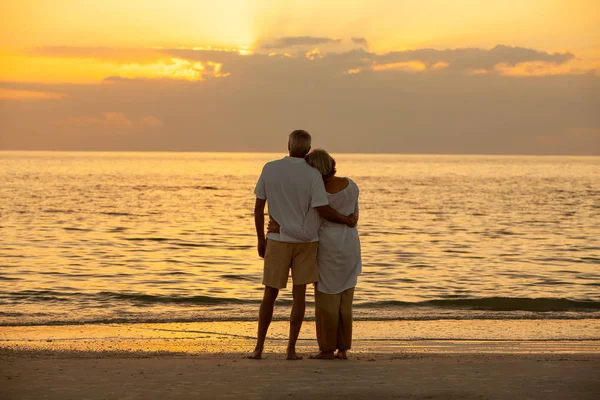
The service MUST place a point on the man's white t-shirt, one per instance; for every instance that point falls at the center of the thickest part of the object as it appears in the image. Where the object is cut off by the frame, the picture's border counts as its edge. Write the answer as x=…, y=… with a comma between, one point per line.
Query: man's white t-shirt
x=292, y=189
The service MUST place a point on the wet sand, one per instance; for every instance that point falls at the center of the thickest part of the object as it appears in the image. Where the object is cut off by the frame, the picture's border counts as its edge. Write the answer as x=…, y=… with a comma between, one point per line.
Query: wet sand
x=206, y=360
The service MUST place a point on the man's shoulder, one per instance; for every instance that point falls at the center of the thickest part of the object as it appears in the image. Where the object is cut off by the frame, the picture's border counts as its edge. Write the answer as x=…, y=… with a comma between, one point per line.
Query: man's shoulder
x=273, y=163
x=314, y=174
x=308, y=172
x=299, y=170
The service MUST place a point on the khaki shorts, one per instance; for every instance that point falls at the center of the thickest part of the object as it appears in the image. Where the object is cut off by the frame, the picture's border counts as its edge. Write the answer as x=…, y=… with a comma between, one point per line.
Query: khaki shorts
x=281, y=256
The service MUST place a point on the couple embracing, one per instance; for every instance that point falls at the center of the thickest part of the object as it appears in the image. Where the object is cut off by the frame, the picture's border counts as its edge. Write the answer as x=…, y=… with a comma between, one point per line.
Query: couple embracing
x=312, y=231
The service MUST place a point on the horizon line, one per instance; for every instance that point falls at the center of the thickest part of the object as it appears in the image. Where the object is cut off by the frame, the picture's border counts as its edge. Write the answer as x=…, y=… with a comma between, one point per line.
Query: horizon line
x=285, y=152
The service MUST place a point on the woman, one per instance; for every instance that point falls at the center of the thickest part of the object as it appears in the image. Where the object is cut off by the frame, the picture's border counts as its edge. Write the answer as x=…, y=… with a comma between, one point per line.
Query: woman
x=339, y=260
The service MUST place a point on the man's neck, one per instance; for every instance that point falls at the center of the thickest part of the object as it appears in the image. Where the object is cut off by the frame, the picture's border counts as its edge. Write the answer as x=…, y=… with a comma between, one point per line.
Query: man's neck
x=295, y=156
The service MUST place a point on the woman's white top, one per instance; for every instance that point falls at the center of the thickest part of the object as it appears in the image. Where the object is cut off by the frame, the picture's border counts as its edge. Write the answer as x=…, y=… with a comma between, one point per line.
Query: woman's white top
x=339, y=255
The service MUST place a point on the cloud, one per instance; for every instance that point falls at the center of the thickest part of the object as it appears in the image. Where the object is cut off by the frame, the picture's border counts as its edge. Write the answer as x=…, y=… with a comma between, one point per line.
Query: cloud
x=123, y=55
x=474, y=58
x=108, y=120
x=360, y=41
x=28, y=95
x=292, y=41
x=536, y=68
x=198, y=64
x=174, y=68
x=151, y=121
x=410, y=66
x=501, y=60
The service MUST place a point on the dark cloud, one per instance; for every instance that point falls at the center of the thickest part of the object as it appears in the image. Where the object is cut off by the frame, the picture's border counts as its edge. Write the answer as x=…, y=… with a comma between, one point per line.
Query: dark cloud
x=458, y=59
x=333, y=64
x=360, y=41
x=292, y=41
x=473, y=58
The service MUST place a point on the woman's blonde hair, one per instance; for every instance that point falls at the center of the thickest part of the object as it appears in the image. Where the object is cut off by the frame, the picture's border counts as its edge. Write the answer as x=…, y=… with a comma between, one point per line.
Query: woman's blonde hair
x=322, y=162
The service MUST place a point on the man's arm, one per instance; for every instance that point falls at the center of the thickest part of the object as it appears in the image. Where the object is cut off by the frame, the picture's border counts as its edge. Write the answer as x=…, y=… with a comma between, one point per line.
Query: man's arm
x=259, y=223
x=332, y=215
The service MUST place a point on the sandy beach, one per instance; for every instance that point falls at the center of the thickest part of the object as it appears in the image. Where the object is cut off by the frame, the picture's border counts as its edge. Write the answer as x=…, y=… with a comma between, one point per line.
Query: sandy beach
x=431, y=376
x=207, y=360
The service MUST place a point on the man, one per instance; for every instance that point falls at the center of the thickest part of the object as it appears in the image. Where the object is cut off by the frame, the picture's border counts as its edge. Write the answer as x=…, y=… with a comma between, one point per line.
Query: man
x=297, y=197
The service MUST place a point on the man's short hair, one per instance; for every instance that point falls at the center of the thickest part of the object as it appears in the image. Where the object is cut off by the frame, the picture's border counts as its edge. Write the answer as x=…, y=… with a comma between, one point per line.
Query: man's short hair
x=299, y=142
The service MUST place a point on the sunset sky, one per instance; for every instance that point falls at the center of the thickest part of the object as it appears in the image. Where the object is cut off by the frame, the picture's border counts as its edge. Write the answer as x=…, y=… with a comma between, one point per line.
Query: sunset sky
x=427, y=76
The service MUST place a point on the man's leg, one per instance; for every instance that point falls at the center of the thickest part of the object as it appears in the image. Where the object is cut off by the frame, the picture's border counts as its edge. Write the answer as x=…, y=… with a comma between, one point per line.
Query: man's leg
x=265, y=315
x=296, y=318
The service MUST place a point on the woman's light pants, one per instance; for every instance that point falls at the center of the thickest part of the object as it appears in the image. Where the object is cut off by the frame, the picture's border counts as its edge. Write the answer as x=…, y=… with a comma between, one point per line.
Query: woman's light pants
x=333, y=313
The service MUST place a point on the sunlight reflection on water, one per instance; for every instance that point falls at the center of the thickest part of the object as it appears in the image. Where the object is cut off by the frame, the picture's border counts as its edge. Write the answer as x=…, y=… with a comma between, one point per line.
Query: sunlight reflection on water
x=170, y=235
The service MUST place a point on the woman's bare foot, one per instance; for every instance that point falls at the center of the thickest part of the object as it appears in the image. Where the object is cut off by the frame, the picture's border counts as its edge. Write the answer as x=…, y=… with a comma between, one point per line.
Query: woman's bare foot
x=256, y=354
x=342, y=355
x=293, y=356
x=323, y=355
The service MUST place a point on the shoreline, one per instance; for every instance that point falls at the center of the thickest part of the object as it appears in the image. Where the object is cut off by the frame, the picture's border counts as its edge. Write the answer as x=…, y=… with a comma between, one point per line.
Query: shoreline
x=383, y=337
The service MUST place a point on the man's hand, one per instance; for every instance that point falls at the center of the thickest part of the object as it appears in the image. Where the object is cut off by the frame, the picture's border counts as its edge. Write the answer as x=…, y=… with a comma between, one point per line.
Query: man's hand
x=273, y=226
x=352, y=220
x=262, y=247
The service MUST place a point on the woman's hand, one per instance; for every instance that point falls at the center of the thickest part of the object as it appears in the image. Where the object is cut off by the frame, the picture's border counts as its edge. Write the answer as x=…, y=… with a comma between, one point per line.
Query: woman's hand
x=352, y=220
x=273, y=226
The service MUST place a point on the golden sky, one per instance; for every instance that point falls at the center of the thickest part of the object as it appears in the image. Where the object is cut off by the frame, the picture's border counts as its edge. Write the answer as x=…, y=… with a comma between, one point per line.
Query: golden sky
x=138, y=25
x=73, y=63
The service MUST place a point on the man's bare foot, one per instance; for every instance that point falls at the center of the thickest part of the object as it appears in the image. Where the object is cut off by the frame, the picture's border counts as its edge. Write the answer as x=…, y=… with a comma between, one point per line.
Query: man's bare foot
x=293, y=356
x=323, y=355
x=342, y=355
x=256, y=354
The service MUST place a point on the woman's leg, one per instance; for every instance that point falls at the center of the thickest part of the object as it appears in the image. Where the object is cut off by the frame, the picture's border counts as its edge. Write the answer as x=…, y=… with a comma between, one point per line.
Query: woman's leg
x=327, y=318
x=344, y=331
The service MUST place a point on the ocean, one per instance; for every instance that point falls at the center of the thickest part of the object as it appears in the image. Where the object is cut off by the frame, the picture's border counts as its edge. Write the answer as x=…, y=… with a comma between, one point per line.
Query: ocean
x=169, y=237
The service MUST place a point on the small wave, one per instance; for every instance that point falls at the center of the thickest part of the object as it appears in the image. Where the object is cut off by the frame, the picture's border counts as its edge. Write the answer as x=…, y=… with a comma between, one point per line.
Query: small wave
x=420, y=266
x=185, y=244
x=121, y=214
x=8, y=278
x=453, y=302
x=237, y=277
x=560, y=259
x=77, y=229
x=495, y=304
x=175, y=273
x=153, y=239
x=591, y=260
x=25, y=319
x=11, y=314
x=110, y=297
x=150, y=298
